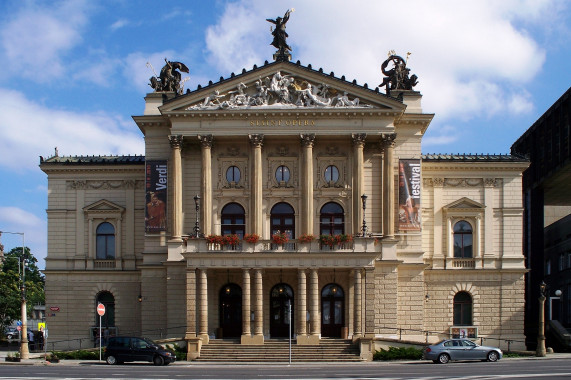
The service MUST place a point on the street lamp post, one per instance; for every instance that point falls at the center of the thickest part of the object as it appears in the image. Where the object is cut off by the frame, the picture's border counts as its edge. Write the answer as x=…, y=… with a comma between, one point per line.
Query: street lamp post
x=196, y=224
x=24, y=351
x=540, y=351
x=364, y=201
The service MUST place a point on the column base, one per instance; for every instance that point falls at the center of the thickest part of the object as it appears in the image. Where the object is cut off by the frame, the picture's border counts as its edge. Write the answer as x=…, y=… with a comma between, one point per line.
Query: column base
x=366, y=348
x=308, y=340
x=193, y=346
x=205, y=338
x=252, y=340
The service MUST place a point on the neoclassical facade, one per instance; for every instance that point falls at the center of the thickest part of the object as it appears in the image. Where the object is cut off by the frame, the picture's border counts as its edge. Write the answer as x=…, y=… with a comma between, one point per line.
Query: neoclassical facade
x=286, y=187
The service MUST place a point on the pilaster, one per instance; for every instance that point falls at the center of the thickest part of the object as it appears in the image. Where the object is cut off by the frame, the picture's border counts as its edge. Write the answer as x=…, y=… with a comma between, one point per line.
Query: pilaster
x=206, y=183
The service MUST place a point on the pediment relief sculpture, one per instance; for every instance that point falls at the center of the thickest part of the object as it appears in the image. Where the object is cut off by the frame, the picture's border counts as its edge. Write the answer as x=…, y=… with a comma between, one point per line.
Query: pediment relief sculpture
x=280, y=91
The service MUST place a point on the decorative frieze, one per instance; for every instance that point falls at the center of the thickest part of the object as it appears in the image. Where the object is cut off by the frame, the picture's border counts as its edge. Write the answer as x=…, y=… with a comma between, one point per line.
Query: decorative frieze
x=104, y=185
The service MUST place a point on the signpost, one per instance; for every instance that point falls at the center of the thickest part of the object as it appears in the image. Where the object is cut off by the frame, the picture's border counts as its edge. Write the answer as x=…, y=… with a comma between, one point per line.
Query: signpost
x=101, y=312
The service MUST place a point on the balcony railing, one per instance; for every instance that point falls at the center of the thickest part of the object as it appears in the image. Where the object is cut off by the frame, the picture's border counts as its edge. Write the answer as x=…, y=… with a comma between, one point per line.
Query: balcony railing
x=267, y=246
x=104, y=264
x=464, y=263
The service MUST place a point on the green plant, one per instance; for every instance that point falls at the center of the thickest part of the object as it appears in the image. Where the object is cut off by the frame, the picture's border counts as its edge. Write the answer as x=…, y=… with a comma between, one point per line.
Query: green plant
x=179, y=351
x=78, y=355
x=398, y=353
x=327, y=240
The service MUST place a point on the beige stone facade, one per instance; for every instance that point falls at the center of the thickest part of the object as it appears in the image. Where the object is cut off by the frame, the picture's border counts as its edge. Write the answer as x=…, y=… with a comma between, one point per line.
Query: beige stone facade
x=305, y=154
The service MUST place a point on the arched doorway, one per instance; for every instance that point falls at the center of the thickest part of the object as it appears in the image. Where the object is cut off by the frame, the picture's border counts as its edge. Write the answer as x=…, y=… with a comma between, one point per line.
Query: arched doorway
x=332, y=311
x=231, y=310
x=281, y=297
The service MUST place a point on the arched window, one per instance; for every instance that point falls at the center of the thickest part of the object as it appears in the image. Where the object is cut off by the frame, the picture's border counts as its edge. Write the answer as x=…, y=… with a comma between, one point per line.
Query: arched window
x=233, y=174
x=331, y=174
x=105, y=241
x=462, y=239
x=282, y=174
x=283, y=219
x=233, y=220
x=107, y=299
x=331, y=219
x=462, y=309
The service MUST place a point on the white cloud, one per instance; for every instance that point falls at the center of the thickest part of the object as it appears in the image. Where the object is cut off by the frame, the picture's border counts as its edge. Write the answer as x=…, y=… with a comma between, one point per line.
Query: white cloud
x=18, y=218
x=73, y=133
x=472, y=57
x=119, y=24
x=444, y=135
x=37, y=37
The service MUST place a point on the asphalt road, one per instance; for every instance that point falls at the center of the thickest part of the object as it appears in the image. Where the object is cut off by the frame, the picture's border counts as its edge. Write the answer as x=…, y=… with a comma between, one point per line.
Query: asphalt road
x=528, y=368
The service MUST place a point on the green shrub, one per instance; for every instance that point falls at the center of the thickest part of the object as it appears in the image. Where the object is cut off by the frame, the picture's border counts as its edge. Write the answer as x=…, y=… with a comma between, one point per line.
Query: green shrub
x=398, y=353
x=179, y=351
x=77, y=355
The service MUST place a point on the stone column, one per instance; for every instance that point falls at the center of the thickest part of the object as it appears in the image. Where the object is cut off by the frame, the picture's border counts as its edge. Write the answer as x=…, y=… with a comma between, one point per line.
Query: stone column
x=358, y=140
x=246, y=311
x=256, y=206
x=259, y=307
x=307, y=142
x=176, y=181
x=315, y=319
x=389, y=185
x=206, y=183
x=203, y=300
x=357, y=323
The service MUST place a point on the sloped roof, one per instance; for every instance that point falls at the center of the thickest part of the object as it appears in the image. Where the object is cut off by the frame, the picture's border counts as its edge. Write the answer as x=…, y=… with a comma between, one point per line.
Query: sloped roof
x=473, y=157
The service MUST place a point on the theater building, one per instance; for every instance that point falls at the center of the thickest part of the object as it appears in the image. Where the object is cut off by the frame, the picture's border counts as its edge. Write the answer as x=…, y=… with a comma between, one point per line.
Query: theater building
x=335, y=212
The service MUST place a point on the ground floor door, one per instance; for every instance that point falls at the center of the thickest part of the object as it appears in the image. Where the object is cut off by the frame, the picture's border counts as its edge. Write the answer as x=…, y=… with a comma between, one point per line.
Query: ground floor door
x=281, y=300
x=231, y=310
x=332, y=311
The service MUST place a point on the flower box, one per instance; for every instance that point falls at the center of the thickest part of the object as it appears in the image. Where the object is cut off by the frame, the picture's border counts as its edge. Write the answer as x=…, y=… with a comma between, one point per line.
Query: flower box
x=280, y=238
x=306, y=238
x=251, y=238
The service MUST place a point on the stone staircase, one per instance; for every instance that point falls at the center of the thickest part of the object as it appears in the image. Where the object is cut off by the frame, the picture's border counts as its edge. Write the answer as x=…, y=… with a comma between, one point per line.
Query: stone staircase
x=277, y=350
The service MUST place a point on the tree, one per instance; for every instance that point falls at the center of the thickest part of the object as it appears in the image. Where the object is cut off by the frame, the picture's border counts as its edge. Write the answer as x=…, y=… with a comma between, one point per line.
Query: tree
x=10, y=285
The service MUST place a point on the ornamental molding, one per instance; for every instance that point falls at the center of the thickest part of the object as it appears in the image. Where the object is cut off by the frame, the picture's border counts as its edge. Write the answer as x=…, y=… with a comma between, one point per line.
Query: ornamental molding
x=104, y=185
x=462, y=182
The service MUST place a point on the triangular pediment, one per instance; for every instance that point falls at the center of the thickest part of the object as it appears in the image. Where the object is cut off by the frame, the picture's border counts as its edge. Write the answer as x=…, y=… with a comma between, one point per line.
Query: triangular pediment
x=282, y=86
x=103, y=206
x=463, y=204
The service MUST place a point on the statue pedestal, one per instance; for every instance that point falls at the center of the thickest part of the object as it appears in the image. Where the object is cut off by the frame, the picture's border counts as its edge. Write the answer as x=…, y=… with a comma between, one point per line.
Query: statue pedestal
x=281, y=56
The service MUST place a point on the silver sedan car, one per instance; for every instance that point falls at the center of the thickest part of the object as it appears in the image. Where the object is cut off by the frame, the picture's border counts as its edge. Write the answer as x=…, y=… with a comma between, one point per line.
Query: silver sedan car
x=460, y=349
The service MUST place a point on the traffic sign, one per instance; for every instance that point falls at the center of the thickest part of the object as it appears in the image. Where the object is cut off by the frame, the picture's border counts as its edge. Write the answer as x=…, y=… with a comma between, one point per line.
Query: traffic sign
x=101, y=309
x=19, y=328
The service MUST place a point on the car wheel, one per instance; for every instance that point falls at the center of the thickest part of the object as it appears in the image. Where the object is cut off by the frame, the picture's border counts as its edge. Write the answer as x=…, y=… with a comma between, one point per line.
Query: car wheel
x=111, y=360
x=9, y=336
x=443, y=358
x=158, y=360
x=493, y=356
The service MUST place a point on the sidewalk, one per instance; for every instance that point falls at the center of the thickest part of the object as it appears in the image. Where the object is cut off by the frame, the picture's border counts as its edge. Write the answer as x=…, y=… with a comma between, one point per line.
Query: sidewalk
x=37, y=358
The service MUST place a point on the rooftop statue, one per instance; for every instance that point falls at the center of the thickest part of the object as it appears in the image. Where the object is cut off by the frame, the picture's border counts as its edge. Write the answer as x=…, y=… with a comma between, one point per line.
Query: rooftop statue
x=169, y=78
x=397, y=77
x=280, y=36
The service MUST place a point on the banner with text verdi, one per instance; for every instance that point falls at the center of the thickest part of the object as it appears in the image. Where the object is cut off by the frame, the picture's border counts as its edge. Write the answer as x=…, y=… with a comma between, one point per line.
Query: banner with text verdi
x=409, y=195
x=156, y=176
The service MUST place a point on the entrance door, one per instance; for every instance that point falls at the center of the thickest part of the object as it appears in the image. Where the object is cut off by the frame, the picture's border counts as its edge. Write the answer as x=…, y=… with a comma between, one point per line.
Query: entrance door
x=281, y=297
x=231, y=310
x=332, y=311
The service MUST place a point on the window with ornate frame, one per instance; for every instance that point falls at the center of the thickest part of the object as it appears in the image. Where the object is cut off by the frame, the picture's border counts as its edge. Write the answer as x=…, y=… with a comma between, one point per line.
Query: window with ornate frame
x=104, y=216
x=232, y=173
x=332, y=172
x=282, y=175
x=463, y=225
x=282, y=172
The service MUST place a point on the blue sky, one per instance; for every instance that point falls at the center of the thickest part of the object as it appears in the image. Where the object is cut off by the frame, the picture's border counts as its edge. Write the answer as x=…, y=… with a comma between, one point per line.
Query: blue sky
x=74, y=72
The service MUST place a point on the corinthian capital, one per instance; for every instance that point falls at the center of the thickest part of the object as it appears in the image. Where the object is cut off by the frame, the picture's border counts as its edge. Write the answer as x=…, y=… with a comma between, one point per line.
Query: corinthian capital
x=175, y=141
x=358, y=138
x=206, y=140
x=307, y=140
x=389, y=139
x=256, y=140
